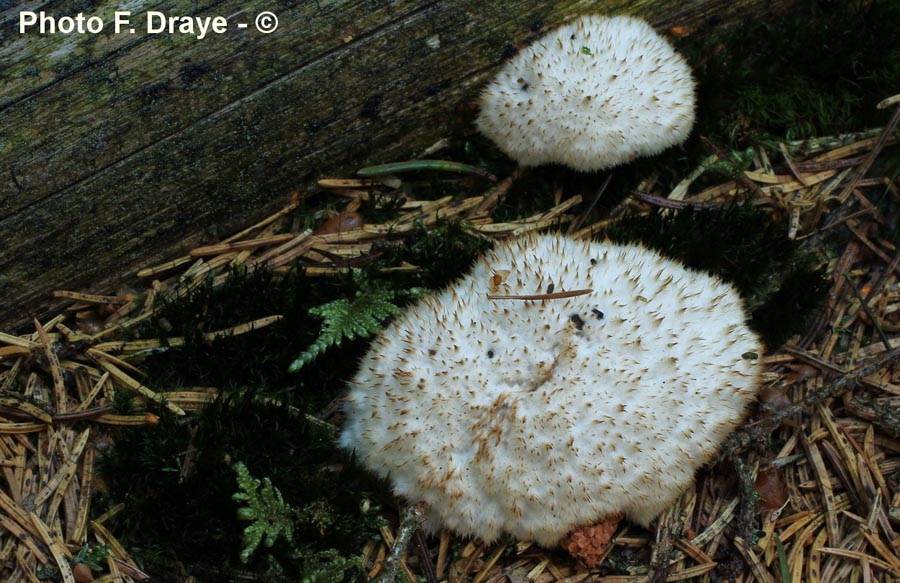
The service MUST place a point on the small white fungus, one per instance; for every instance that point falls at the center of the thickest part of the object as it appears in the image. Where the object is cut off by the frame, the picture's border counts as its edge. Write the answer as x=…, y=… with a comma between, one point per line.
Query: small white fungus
x=595, y=93
x=536, y=417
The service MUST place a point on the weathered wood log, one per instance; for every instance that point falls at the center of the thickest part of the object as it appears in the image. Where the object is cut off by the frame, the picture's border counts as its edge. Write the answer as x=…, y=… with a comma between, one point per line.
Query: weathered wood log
x=119, y=149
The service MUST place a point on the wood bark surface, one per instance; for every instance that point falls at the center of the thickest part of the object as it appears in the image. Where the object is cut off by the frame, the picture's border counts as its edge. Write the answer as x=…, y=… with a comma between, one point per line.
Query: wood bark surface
x=120, y=150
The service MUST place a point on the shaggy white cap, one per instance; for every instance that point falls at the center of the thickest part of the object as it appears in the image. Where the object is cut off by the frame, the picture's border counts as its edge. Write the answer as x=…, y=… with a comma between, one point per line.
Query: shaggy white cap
x=536, y=417
x=592, y=94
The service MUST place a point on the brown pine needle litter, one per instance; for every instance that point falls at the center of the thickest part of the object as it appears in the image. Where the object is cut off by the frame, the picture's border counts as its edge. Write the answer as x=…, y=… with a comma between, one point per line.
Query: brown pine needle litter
x=829, y=499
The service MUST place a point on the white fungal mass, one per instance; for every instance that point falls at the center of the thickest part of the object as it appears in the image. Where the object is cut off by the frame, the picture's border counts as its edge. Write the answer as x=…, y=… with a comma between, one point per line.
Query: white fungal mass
x=592, y=94
x=535, y=417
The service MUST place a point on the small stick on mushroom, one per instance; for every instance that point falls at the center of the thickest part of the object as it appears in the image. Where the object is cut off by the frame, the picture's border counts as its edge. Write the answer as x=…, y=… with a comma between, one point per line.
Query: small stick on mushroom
x=551, y=296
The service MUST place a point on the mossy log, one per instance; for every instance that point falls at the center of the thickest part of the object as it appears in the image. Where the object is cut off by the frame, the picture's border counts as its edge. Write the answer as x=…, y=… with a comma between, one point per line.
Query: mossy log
x=118, y=150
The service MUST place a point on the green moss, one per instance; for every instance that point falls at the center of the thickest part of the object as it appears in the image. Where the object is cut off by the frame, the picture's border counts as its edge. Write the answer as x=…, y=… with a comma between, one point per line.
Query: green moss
x=94, y=556
x=345, y=319
x=443, y=254
x=264, y=507
x=329, y=567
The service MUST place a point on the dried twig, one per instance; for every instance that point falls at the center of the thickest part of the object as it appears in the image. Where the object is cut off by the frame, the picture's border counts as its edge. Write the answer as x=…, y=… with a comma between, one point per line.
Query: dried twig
x=413, y=517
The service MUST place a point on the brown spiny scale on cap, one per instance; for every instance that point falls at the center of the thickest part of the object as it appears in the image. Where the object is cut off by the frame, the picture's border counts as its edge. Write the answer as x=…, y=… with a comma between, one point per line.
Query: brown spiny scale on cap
x=550, y=416
x=592, y=94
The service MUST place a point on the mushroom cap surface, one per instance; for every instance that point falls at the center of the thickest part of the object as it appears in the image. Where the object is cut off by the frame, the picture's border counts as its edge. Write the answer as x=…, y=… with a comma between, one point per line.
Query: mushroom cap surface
x=594, y=93
x=535, y=417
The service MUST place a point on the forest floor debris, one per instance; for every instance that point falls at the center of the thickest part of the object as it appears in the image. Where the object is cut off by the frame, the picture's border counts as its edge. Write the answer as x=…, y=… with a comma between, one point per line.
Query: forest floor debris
x=824, y=506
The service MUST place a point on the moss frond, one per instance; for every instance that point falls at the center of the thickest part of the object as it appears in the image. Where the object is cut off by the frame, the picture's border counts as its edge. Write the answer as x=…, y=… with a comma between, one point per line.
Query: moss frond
x=345, y=319
x=269, y=514
x=327, y=567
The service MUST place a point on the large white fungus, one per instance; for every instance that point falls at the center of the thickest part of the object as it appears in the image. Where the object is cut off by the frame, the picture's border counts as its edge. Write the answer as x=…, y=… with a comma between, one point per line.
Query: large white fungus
x=535, y=417
x=592, y=94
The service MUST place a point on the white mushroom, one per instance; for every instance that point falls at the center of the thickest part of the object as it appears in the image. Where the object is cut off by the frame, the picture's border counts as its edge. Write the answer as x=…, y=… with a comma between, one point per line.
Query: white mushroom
x=535, y=417
x=592, y=94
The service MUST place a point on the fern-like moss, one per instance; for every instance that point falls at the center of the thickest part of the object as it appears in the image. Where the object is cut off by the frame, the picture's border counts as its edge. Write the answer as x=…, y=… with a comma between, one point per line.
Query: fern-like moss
x=345, y=319
x=269, y=514
x=328, y=567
